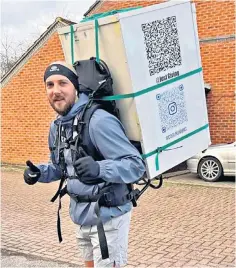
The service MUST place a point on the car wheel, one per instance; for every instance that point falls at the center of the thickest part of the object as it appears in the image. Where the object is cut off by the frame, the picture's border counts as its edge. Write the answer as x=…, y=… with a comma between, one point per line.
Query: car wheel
x=210, y=169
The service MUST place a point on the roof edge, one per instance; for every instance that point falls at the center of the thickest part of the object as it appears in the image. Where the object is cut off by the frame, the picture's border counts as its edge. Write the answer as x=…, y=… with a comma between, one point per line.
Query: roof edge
x=92, y=7
x=58, y=20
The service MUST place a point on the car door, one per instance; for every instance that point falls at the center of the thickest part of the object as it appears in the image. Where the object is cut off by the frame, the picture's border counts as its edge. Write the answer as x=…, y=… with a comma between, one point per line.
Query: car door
x=232, y=159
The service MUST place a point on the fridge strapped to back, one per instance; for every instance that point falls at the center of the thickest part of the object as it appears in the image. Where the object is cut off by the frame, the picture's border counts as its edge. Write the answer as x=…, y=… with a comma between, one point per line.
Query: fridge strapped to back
x=154, y=58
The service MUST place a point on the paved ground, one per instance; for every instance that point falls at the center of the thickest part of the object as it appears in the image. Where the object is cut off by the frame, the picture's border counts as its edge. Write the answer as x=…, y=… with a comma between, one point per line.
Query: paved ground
x=178, y=225
x=16, y=259
x=192, y=179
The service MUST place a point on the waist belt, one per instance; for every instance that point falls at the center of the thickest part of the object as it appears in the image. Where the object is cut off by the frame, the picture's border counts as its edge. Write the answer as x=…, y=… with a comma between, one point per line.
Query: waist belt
x=105, y=197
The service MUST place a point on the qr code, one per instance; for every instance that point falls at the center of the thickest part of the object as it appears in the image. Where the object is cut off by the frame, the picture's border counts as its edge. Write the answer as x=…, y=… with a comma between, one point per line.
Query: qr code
x=172, y=108
x=162, y=44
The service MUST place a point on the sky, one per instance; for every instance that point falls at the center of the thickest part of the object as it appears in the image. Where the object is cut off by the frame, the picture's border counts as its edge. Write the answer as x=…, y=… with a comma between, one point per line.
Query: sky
x=24, y=21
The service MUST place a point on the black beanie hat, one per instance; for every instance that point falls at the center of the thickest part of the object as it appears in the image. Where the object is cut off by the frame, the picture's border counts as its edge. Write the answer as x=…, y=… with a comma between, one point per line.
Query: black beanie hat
x=64, y=69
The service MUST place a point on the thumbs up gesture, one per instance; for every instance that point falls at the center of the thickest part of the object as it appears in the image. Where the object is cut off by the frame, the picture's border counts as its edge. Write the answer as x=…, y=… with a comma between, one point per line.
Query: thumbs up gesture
x=32, y=173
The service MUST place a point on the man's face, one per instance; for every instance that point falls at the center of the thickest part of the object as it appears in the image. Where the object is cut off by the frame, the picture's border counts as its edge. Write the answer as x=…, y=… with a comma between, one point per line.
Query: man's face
x=61, y=93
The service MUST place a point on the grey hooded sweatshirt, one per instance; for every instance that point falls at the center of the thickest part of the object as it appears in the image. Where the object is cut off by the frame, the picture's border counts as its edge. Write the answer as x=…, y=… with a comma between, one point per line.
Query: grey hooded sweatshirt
x=122, y=164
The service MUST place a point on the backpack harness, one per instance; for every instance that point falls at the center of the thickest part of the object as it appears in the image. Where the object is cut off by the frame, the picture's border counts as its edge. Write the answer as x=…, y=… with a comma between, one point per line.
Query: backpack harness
x=111, y=195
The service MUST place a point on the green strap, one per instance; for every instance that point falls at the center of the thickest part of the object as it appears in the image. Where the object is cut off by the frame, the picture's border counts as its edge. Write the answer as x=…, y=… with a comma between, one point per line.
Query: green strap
x=160, y=149
x=72, y=43
x=96, y=40
x=146, y=90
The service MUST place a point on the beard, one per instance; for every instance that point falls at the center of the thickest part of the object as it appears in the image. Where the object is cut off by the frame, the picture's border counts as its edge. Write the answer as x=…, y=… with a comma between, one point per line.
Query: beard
x=63, y=110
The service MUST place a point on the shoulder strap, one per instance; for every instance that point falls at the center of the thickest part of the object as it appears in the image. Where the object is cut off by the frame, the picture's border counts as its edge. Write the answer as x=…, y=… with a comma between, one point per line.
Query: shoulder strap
x=83, y=132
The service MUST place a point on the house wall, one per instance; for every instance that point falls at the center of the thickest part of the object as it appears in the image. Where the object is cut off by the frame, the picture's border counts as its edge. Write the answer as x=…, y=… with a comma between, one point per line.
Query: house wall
x=26, y=114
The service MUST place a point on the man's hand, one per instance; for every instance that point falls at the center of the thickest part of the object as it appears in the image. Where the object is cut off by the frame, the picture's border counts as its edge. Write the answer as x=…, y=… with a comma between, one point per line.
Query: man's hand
x=86, y=167
x=32, y=173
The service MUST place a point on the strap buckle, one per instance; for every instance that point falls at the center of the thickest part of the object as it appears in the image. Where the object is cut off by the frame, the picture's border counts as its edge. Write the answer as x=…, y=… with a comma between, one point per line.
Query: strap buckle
x=130, y=196
x=107, y=198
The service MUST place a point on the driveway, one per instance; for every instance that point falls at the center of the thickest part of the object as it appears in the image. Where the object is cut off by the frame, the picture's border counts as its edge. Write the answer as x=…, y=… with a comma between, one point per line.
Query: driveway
x=193, y=179
x=179, y=225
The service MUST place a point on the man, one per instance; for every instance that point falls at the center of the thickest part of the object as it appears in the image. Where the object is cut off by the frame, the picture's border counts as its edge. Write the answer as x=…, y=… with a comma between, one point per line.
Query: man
x=121, y=164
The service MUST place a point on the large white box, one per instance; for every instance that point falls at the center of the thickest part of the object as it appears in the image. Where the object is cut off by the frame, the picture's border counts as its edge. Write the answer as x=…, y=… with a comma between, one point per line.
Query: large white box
x=153, y=51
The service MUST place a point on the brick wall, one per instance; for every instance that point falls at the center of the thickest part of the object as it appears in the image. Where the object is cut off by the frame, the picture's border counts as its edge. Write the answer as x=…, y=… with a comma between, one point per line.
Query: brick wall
x=26, y=114
x=218, y=61
x=215, y=19
x=105, y=6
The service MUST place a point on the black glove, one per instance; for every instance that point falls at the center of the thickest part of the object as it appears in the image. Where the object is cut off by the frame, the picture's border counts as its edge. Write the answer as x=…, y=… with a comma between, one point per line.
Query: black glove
x=31, y=174
x=87, y=170
x=86, y=167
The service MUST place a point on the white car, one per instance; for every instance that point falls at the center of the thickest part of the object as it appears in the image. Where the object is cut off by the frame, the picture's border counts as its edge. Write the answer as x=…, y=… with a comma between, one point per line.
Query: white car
x=216, y=161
